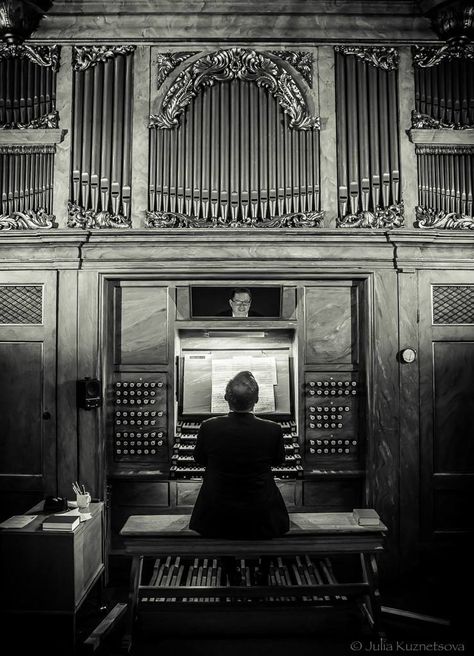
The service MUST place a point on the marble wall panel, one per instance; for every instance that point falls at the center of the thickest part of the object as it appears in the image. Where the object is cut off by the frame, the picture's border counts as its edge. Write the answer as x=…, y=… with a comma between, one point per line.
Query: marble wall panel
x=383, y=458
x=331, y=325
x=141, y=328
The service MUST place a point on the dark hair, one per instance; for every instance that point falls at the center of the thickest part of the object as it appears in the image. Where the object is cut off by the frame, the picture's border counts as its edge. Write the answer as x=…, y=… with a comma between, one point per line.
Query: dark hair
x=242, y=290
x=241, y=392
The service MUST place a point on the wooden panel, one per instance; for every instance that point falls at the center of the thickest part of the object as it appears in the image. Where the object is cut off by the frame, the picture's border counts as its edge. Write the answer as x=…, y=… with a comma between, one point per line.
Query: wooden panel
x=67, y=376
x=453, y=510
x=331, y=324
x=325, y=496
x=21, y=408
x=141, y=330
x=454, y=406
x=409, y=423
x=138, y=493
x=186, y=493
x=287, y=489
x=383, y=446
x=48, y=570
x=28, y=400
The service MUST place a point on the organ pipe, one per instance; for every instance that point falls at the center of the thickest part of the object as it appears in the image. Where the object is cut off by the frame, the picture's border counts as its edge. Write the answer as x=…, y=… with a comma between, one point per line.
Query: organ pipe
x=241, y=156
x=367, y=137
x=100, y=188
x=444, y=90
x=445, y=179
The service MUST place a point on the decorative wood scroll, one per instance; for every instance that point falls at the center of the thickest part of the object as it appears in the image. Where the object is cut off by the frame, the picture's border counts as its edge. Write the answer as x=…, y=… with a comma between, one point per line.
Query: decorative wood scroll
x=84, y=57
x=301, y=60
x=428, y=56
x=235, y=64
x=175, y=220
x=368, y=138
x=100, y=186
x=379, y=56
x=78, y=217
x=168, y=61
x=388, y=218
x=440, y=220
x=28, y=220
x=47, y=56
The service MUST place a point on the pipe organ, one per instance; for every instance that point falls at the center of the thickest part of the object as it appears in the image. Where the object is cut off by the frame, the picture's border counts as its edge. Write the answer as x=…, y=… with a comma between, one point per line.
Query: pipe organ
x=369, y=160
x=134, y=172
x=444, y=89
x=28, y=86
x=101, y=144
x=234, y=158
x=238, y=150
x=444, y=100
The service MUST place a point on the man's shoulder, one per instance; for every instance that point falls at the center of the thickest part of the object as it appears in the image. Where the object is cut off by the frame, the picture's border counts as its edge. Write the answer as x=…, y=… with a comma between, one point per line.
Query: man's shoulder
x=268, y=425
x=214, y=422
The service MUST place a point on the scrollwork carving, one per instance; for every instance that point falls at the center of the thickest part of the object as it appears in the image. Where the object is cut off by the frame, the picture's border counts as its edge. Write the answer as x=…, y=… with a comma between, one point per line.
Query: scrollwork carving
x=168, y=61
x=176, y=220
x=383, y=217
x=79, y=217
x=444, y=150
x=424, y=121
x=379, y=56
x=27, y=149
x=28, y=220
x=301, y=60
x=235, y=63
x=47, y=56
x=50, y=120
x=84, y=57
x=427, y=56
x=426, y=217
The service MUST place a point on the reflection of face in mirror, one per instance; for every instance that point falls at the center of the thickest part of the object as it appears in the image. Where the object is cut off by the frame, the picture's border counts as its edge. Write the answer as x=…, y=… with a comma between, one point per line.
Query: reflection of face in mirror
x=240, y=302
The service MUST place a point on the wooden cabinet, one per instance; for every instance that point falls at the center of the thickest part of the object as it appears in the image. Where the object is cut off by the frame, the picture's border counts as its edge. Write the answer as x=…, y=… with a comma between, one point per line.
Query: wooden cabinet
x=49, y=571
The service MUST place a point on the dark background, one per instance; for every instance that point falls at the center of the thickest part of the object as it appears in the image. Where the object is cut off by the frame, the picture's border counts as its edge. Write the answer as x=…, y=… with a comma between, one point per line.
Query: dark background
x=210, y=301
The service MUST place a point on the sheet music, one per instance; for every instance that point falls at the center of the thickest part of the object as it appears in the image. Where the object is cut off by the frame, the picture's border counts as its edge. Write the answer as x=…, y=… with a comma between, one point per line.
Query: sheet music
x=264, y=371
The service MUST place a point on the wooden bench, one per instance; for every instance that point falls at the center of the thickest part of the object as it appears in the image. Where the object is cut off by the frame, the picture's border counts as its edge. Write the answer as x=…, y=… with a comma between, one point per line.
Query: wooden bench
x=311, y=534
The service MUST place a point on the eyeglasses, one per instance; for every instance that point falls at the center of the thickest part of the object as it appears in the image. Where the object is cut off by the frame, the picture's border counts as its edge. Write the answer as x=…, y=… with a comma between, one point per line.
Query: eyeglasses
x=241, y=303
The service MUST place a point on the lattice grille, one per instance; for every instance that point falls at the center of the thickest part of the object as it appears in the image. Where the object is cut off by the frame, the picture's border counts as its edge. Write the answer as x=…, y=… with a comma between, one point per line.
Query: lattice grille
x=453, y=304
x=21, y=304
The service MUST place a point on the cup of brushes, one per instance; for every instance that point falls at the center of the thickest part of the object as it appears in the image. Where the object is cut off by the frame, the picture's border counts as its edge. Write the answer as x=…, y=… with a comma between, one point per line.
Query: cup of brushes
x=83, y=498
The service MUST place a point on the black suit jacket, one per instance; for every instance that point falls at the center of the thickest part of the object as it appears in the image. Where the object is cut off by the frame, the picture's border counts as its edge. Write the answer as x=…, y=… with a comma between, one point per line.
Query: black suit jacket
x=239, y=498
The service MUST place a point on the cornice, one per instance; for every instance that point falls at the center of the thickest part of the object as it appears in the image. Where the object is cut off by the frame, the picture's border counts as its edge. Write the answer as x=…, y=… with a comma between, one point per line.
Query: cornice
x=210, y=251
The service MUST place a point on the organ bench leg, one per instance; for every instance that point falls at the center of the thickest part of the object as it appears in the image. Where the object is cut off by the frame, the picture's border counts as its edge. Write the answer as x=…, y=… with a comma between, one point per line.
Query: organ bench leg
x=372, y=600
x=135, y=578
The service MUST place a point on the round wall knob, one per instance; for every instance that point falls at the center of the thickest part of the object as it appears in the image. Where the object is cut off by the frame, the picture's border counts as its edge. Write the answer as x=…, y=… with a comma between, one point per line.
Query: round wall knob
x=408, y=355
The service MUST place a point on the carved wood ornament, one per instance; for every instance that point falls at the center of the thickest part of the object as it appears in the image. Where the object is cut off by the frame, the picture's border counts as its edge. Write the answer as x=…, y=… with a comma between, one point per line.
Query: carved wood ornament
x=235, y=63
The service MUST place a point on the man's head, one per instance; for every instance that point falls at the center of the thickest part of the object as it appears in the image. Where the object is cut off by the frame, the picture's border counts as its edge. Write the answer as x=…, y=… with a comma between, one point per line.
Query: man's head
x=240, y=302
x=241, y=392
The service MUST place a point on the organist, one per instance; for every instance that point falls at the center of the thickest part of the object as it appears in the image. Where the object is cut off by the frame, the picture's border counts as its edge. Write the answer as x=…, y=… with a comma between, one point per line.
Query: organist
x=239, y=498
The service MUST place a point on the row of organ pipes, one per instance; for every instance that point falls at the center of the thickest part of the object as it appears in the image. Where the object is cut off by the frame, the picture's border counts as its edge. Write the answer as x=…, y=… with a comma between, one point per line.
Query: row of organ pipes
x=446, y=181
x=367, y=131
x=446, y=91
x=234, y=156
x=28, y=91
x=102, y=136
x=26, y=181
